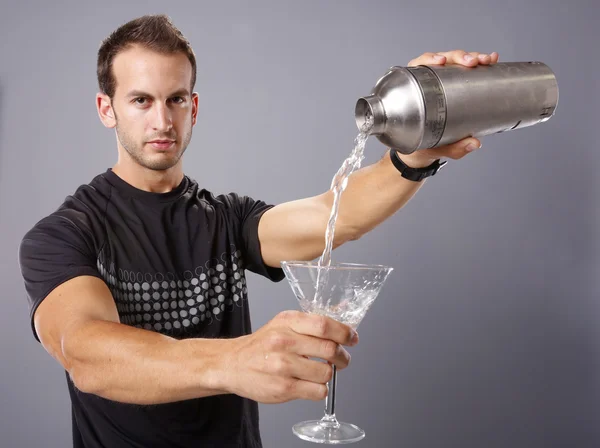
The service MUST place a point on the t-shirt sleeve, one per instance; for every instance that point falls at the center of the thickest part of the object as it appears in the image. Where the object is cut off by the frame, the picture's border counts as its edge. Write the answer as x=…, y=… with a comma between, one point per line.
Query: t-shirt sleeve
x=247, y=212
x=58, y=248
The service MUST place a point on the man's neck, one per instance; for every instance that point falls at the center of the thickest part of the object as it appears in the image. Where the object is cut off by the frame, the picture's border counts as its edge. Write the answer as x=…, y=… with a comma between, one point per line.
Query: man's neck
x=150, y=180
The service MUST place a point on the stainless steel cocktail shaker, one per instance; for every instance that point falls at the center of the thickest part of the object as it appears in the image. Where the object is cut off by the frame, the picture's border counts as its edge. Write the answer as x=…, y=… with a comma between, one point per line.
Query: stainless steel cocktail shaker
x=430, y=106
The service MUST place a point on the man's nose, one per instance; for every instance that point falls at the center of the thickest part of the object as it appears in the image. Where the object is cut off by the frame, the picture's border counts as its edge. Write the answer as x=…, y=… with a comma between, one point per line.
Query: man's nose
x=162, y=118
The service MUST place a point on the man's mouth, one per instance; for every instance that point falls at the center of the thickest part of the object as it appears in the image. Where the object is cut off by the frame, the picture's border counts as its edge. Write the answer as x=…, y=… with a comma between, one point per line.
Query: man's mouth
x=162, y=144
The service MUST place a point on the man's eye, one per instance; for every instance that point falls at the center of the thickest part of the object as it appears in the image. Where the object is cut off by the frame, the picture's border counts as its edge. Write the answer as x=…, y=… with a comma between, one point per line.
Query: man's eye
x=177, y=99
x=140, y=101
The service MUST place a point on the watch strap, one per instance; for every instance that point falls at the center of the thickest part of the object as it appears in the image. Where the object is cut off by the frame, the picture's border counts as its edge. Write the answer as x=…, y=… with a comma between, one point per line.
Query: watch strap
x=415, y=174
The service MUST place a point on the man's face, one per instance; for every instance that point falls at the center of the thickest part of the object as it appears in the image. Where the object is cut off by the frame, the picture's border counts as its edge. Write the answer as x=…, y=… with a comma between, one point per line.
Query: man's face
x=153, y=106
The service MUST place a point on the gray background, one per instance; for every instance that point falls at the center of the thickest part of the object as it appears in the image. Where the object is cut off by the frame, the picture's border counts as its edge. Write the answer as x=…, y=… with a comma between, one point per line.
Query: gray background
x=485, y=335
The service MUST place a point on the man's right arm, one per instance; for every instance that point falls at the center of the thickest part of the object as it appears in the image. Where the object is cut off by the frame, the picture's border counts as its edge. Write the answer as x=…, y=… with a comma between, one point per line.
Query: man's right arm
x=78, y=324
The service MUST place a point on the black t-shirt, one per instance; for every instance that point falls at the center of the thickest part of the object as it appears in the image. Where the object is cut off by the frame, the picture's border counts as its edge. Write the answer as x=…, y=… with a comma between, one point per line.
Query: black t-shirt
x=175, y=264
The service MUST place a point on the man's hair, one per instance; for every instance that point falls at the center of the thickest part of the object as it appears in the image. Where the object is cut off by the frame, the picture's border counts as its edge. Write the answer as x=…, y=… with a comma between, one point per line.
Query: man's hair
x=154, y=32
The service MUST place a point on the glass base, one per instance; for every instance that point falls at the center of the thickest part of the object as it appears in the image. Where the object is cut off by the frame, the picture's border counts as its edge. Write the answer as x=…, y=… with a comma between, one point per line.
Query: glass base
x=332, y=433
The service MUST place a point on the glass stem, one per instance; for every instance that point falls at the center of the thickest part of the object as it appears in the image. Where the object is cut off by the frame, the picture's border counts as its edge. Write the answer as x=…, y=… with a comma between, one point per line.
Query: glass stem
x=330, y=400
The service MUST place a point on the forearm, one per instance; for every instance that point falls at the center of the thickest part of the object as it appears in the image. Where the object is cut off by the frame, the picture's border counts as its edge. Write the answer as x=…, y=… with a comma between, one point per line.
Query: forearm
x=296, y=230
x=131, y=365
x=373, y=194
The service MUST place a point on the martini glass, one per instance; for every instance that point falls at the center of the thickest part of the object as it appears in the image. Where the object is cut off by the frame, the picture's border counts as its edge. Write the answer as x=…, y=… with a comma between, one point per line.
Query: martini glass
x=344, y=292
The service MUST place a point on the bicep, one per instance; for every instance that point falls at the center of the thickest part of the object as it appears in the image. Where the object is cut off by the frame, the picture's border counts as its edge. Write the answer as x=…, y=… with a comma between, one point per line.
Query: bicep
x=70, y=305
x=295, y=230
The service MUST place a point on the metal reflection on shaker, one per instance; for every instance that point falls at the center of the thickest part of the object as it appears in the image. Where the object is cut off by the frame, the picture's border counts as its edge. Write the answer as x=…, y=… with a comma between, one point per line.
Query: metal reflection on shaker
x=429, y=106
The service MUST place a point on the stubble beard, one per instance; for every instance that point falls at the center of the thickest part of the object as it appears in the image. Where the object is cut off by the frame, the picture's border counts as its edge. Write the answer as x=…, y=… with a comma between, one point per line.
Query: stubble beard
x=136, y=150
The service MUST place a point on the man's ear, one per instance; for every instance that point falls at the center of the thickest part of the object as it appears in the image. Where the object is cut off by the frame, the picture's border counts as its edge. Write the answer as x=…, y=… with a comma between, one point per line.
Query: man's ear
x=105, y=110
x=194, y=108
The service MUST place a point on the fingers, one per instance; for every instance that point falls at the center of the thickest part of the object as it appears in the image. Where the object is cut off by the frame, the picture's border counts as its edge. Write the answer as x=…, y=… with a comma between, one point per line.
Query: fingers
x=310, y=391
x=323, y=349
x=486, y=59
x=321, y=327
x=428, y=59
x=286, y=389
x=455, y=151
x=459, y=57
x=289, y=365
x=283, y=342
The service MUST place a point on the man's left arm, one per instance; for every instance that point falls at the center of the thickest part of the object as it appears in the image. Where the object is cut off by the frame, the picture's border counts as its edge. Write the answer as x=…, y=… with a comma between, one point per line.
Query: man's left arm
x=296, y=230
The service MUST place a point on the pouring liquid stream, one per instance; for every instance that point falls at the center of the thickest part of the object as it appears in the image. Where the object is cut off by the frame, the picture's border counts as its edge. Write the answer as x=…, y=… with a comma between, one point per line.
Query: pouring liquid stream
x=338, y=185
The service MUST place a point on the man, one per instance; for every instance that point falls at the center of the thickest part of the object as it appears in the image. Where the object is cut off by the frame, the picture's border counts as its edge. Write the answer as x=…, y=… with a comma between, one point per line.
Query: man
x=136, y=283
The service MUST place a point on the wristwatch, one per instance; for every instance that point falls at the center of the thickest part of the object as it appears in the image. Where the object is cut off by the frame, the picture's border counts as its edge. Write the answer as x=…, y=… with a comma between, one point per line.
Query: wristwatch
x=415, y=174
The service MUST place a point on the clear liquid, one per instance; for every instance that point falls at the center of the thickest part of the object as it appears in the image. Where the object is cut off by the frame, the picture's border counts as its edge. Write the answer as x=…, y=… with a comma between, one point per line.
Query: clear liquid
x=350, y=311
x=338, y=185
